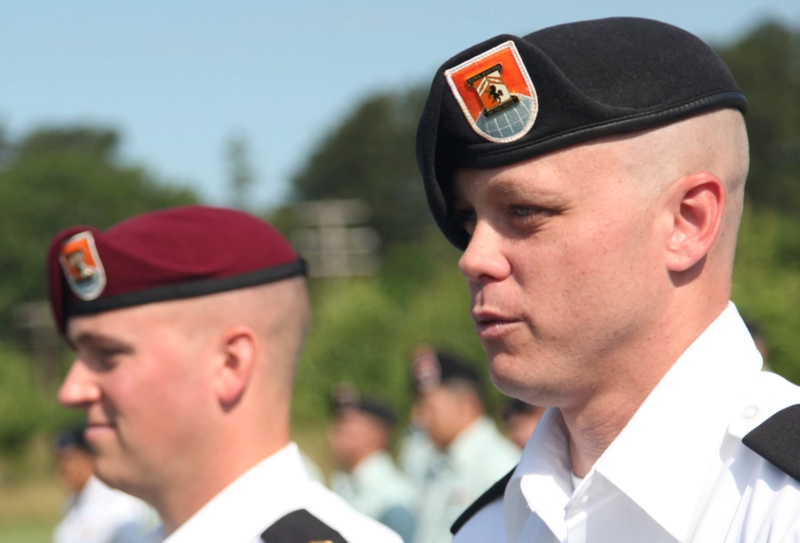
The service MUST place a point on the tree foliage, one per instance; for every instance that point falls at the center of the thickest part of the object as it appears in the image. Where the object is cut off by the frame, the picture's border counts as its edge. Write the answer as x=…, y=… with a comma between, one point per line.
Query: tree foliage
x=371, y=156
x=55, y=178
x=766, y=64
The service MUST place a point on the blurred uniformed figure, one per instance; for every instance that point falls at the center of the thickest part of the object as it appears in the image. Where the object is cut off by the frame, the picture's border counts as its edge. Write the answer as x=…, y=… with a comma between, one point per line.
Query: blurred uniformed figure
x=414, y=452
x=96, y=513
x=187, y=325
x=368, y=478
x=520, y=420
x=471, y=453
x=416, y=448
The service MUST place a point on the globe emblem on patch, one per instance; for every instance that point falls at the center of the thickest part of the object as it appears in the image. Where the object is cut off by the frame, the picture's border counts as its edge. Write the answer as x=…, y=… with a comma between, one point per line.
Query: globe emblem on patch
x=510, y=121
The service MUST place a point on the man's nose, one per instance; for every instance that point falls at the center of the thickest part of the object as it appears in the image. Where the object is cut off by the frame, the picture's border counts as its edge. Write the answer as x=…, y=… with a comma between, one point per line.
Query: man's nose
x=80, y=387
x=484, y=261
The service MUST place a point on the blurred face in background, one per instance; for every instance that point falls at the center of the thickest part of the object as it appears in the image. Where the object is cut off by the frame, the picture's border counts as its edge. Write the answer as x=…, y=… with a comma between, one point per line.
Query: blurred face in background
x=74, y=468
x=146, y=393
x=447, y=412
x=520, y=426
x=355, y=435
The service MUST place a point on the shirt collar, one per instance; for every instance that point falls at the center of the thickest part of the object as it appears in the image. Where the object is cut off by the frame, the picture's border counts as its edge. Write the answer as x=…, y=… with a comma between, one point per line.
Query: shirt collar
x=673, y=438
x=541, y=482
x=252, y=502
x=676, y=433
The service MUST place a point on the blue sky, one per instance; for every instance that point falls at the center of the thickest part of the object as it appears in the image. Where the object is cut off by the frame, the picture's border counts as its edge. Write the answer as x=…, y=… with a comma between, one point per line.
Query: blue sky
x=178, y=78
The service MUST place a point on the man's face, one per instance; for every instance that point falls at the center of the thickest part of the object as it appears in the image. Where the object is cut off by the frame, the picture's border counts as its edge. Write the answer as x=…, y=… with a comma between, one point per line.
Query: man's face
x=74, y=468
x=145, y=391
x=444, y=418
x=353, y=436
x=563, y=269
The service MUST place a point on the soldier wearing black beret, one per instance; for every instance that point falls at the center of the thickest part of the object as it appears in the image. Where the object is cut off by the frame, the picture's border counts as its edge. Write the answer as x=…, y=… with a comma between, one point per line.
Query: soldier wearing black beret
x=187, y=325
x=593, y=174
x=469, y=452
x=368, y=478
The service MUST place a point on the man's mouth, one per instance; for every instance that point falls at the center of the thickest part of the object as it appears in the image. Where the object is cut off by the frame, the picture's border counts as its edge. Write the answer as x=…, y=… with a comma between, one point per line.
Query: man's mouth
x=97, y=427
x=493, y=325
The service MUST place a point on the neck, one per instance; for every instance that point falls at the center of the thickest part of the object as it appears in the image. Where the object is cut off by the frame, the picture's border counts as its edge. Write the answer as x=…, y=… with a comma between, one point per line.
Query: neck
x=236, y=454
x=595, y=423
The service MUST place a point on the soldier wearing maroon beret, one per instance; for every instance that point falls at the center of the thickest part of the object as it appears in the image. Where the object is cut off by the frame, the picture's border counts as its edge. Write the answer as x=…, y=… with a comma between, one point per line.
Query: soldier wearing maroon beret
x=593, y=174
x=187, y=325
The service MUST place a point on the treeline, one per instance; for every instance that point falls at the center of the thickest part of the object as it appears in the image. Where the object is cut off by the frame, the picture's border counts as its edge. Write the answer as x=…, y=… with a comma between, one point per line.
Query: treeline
x=365, y=328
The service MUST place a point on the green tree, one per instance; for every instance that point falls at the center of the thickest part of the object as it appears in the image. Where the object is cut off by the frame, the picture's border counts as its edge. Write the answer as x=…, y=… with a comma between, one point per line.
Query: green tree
x=52, y=179
x=371, y=156
x=766, y=64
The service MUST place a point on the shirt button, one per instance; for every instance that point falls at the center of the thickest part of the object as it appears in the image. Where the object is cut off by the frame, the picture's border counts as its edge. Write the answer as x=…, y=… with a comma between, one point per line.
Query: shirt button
x=750, y=411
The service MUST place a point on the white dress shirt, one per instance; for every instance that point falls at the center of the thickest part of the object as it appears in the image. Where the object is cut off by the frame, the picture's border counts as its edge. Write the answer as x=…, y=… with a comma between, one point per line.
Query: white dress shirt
x=99, y=514
x=269, y=491
x=678, y=471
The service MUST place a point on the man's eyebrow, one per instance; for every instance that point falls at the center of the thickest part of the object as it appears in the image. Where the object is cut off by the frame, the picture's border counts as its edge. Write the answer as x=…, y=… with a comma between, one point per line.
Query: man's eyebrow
x=89, y=339
x=510, y=188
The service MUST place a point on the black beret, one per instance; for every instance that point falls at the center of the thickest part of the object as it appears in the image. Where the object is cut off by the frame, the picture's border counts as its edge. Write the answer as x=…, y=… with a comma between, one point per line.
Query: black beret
x=346, y=396
x=431, y=369
x=510, y=99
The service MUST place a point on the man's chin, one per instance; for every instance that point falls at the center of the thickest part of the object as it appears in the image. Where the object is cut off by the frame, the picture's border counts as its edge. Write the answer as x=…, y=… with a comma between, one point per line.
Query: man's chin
x=511, y=375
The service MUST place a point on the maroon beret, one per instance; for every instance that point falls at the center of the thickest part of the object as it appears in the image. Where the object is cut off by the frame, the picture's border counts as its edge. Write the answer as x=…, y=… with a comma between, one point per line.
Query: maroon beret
x=172, y=254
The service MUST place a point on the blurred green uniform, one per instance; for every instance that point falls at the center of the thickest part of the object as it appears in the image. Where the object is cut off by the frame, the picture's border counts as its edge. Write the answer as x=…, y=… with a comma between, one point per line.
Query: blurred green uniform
x=456, y=477
x=415, y=453
x=377, y=488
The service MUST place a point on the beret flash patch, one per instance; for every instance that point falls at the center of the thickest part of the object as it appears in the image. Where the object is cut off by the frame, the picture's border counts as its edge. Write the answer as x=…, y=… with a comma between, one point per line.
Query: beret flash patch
x=495, y=93
x=427, y=372
x=82, y=266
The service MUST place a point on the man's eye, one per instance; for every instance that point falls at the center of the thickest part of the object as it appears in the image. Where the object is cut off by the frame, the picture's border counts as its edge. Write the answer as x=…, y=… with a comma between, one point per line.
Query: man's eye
x=466, y=217
x=105, y=360
x=530, y=211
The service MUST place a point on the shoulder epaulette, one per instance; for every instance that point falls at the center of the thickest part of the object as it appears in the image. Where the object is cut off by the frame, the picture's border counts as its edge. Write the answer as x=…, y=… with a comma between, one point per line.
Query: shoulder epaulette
x=778, y=440
x=301, y=527
x=495, y=492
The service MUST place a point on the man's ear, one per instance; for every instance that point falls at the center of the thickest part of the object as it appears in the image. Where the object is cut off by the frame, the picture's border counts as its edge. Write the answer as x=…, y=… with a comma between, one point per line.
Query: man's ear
x=696, y=210
x=238, y=349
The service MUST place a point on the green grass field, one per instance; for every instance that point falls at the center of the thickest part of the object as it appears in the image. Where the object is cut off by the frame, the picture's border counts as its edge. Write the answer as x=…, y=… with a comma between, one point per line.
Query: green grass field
x=29, y=511
x=26, y=533
x=30, y=506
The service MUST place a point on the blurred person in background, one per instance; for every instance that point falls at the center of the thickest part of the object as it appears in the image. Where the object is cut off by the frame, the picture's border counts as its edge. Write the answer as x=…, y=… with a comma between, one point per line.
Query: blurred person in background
x=368, y=478
x=471, y=453
x=94, y=512
x=415, y=448
x=520, y=420
x=187, y=325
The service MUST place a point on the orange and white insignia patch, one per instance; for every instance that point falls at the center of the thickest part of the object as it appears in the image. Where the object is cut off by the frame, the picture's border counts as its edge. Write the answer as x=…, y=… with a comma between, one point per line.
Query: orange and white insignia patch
x=82, y=266
x=496, y=93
